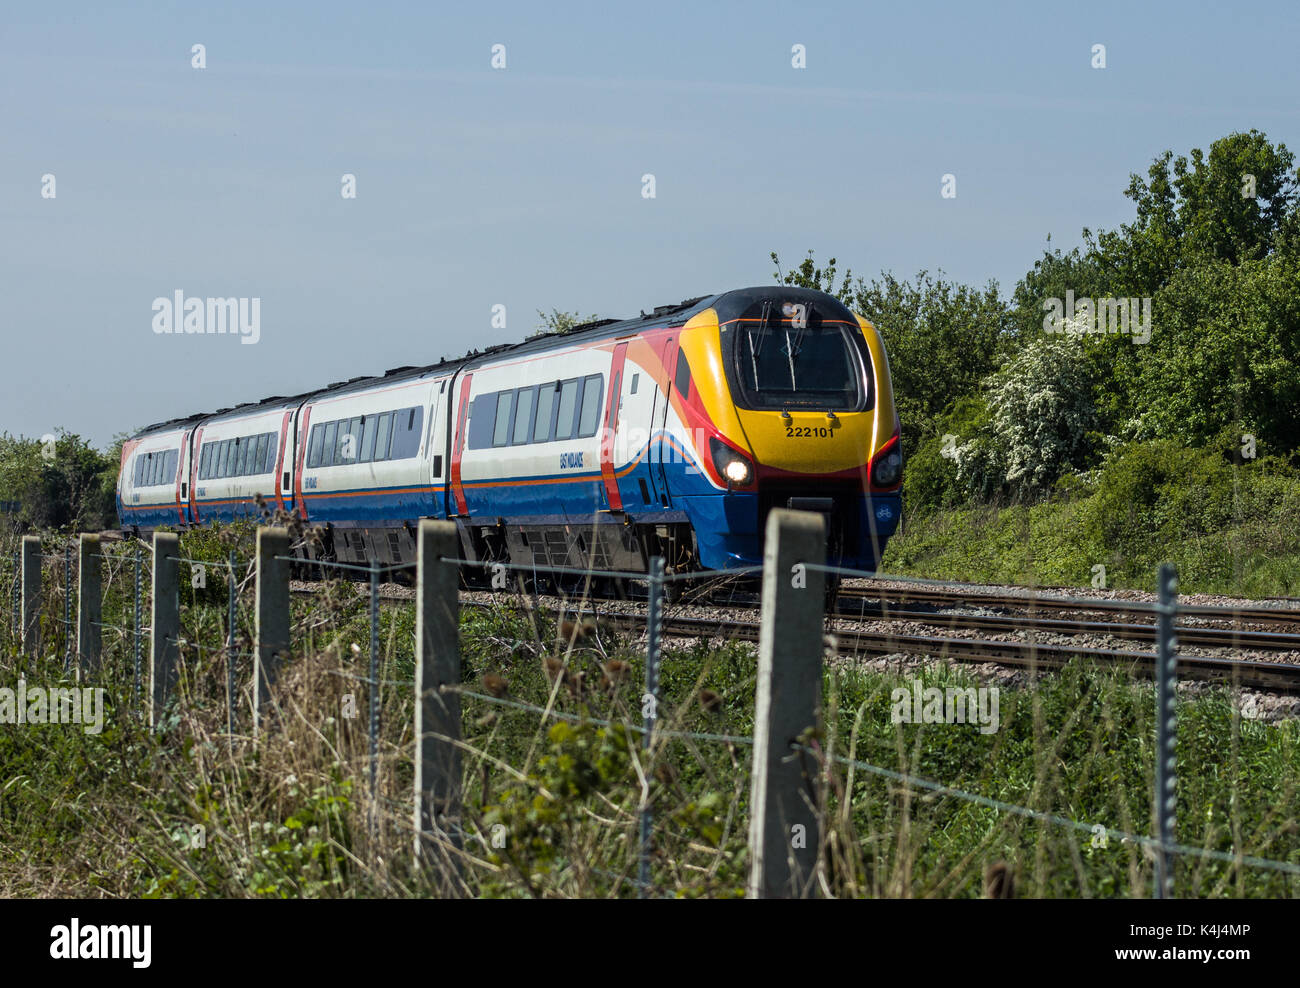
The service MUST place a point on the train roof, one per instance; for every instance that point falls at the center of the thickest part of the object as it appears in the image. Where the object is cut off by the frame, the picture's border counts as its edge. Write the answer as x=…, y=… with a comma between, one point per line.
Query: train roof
x=661, y=316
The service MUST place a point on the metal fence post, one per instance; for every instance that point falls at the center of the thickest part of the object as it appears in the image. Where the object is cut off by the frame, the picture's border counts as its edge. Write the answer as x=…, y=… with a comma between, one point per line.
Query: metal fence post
x=164, y=624
x=135, y=638
x=31, y=621
x=232, y=589
x=272, y=641
x=374, y=692
x=17, y=594
x=437, y=712
x=89, y=605
x=650, y=707
x=784, y=835
x=1166, y=795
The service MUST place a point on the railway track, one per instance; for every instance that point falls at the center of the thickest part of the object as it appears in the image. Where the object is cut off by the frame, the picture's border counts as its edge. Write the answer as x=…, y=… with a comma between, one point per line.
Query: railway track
x=1252, y=674
x=1283, y=617
x=1271, y=676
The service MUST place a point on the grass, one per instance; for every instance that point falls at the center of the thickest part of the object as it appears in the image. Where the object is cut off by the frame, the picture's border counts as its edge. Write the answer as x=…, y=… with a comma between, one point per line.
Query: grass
x=551, y=805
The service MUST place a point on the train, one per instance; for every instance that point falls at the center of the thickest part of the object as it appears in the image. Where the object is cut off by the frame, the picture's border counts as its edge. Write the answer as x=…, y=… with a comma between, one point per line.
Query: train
x=670, y=434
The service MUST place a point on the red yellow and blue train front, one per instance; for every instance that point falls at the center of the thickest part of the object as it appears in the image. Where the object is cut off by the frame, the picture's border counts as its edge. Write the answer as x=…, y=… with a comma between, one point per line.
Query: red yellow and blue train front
x=787, y=403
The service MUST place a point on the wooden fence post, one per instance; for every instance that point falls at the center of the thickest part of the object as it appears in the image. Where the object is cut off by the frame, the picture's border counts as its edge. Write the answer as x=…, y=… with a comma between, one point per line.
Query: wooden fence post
x=31, y=609
x=437, y=713
x=164, y=623
x=272, y=634
x=89, y=605
x=784, y=835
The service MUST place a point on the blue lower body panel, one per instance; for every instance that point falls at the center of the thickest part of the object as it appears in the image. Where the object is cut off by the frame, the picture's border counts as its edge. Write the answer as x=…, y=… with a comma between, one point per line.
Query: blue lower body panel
x=728, y=534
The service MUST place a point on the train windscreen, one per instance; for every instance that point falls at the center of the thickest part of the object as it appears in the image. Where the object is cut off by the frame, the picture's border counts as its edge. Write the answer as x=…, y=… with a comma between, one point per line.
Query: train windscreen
x=781, y=366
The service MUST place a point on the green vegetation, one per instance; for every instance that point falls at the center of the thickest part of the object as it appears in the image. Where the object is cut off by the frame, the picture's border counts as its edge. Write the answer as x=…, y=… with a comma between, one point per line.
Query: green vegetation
x=552, y=802
x=59, y=484
x=1032, y=457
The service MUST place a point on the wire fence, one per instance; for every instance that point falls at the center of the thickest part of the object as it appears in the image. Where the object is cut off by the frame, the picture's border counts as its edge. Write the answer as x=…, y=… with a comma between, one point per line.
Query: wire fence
x=234, y=603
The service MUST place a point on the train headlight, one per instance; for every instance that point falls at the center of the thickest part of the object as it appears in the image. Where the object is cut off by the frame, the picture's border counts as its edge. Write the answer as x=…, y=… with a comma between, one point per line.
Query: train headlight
x=886, y=470
x=737, y=472
x=734, y=467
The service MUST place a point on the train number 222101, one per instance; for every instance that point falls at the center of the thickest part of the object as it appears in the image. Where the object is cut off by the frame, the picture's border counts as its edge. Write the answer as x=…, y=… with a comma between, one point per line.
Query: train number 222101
x=808, y=432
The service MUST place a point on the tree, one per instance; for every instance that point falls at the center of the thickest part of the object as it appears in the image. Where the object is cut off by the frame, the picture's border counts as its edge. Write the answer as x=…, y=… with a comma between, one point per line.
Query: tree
x=560, y=322
x=808, y=275
x=63, y=484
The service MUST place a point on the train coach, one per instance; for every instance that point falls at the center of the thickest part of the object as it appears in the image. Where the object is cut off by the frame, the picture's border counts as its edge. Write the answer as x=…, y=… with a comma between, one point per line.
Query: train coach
x=673, y=434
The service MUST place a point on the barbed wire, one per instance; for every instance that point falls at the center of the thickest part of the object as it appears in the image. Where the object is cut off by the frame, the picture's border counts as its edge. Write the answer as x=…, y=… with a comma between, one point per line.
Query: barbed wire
x=1091, y=828
x=599, y=721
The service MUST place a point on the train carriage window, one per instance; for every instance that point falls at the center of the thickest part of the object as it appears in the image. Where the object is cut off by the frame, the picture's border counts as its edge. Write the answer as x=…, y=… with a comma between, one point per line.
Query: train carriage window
x=564, y=422
x=353, y=446
x=408, y=426
x=260, y=458
x=238, y=457
x=227, y=457
x=328, y=441
x=523, y=415
x=545, y=418
x=501, y=434
x=136, y=471
x=160, y=467
x=482, y=421
x=272, y=451
x=368, y=439
x=383, y=436
x=205, y=454
x=155, y=468
x=682, y=379
x=592, y=390
x=635, y=378
x=316, y=446
x=249, y=459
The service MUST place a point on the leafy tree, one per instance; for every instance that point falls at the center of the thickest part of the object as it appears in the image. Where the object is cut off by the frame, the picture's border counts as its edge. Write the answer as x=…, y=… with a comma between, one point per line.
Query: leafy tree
x=63, y=484
x=1043, y=417
x=808, y=275
x=943, y=339
x=560, y=322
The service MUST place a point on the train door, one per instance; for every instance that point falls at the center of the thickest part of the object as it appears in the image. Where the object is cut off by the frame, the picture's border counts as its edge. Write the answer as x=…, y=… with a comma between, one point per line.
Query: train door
x=297, y=449
x=607, y=445
x=192, y=495
x=437, y=448
x=284, y=462
x=659, y=451
x=455, y=488
x=182, y=477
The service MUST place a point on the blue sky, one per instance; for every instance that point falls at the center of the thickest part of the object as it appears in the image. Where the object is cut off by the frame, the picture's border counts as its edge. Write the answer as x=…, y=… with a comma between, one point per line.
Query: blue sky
x=522, y=186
